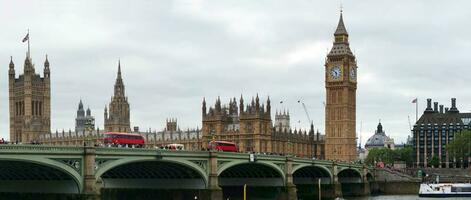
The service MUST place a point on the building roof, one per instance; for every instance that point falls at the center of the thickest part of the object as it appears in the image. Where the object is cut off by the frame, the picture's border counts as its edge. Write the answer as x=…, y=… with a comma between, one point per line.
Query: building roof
x=438, y=116
x=378, y=139
x=341, y=30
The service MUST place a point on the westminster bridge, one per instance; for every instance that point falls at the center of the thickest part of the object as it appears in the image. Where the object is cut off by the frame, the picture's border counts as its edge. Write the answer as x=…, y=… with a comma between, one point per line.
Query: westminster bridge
x=96, y=173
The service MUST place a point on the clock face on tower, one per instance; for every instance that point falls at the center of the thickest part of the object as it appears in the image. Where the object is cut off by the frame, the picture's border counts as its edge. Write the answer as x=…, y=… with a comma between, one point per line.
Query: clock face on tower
x=353, y=74
x=335, y=73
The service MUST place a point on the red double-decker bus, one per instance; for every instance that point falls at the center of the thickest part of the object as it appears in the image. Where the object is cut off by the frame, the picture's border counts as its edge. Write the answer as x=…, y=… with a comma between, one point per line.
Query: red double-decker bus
x=123, y=139
x=223, y=146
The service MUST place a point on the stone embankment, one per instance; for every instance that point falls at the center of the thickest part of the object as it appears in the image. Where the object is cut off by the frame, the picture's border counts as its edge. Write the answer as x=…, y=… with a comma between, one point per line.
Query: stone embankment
x=394, y=182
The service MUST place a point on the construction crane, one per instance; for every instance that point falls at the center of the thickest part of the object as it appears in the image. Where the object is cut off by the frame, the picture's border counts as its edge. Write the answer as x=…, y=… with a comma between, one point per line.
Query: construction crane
x=305, y=110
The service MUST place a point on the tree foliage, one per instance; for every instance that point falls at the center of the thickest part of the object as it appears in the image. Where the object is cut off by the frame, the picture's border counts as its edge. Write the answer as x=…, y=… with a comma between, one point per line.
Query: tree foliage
x=434, y=161
x=460, y=147
x=389, y=156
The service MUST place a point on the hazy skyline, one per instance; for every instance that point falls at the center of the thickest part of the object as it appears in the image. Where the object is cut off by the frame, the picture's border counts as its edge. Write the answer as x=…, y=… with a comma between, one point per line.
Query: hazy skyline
x=175, y=53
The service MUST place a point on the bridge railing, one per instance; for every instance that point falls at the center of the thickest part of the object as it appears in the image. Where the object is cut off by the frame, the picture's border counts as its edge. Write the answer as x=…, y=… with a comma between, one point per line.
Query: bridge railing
x=39, y=149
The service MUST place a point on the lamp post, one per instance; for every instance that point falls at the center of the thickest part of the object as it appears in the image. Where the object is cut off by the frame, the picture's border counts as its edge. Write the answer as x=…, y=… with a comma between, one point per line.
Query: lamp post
x=245, y=191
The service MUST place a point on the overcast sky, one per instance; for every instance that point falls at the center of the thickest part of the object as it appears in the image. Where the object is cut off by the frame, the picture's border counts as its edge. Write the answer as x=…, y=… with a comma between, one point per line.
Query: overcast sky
x=174, y=53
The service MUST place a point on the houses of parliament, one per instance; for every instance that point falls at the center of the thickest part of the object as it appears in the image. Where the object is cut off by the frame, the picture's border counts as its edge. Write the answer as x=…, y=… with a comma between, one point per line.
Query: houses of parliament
x=245, y=121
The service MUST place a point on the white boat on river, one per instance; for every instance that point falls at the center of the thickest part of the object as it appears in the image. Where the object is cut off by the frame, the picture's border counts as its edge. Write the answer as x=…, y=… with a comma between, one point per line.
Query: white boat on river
x=445, y=190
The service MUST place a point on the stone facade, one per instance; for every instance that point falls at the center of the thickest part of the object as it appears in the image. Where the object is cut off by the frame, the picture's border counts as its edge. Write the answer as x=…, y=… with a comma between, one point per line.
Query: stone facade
x=72, y=138
x=84, y=122
x=190, y=138
x=117, y=118
x=30, y=102
x=250, y=127
x=340, y=109
x=282, y=121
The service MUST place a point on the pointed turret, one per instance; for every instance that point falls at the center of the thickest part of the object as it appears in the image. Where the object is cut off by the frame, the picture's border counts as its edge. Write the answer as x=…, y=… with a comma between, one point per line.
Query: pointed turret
x=311, y=130
x=11, y=69
x=241, y=104
x=119, y=69
x=119, y=85
x=28, y=66
x=204, y=107
x=80, y=111
x=341, y=46
x=257, y=103
x=341, y=30
x=47, y=71
x=218, y=105
x=268, y=105
x=89, y=112
x=106, y=113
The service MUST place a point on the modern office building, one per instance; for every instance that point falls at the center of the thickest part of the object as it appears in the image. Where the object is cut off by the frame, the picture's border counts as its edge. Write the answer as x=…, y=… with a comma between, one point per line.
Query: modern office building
x=434, y=130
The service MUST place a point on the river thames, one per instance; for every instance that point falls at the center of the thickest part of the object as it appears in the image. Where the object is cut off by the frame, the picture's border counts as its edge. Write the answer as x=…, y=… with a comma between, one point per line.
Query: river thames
x=402, y=197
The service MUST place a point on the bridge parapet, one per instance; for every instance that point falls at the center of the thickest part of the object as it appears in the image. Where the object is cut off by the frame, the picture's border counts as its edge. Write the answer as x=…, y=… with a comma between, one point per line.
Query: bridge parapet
x=38, y=149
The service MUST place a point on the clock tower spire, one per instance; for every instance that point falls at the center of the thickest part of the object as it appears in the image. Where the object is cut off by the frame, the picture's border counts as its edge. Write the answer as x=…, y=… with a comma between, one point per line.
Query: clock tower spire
x=340, y=109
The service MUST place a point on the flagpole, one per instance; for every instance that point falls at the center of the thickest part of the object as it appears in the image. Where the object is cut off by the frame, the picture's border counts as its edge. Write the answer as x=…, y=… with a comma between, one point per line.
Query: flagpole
x=29, y=54
x=416, y=109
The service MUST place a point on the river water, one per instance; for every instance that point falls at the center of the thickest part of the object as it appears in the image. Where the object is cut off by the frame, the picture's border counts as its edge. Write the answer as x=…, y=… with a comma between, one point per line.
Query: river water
x=61, y=197
x=402, y=197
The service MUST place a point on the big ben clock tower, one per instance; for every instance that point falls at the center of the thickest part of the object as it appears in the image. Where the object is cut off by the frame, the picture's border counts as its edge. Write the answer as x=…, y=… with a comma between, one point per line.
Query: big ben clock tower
x=340, y=109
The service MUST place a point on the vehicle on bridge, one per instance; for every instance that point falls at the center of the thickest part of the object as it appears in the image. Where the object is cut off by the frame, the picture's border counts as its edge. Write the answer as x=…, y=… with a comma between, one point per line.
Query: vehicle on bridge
x=123, y=140
x=223, y=146
x=174, y=147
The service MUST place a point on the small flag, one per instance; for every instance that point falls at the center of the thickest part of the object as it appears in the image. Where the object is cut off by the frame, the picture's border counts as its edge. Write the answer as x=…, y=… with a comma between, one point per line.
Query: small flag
x=414, y=101
x=26, y=38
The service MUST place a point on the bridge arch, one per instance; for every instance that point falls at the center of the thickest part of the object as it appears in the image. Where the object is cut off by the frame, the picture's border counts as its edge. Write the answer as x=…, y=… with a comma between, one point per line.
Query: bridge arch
x=152, y=172
x=370, y=177
x=306, y=174
x=61, y=178
x=263, y=163
x=349, y=175
x=233, y=173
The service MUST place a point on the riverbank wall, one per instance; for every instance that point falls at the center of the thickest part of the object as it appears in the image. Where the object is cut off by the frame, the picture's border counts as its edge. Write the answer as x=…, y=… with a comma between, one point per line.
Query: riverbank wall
x=393, y=182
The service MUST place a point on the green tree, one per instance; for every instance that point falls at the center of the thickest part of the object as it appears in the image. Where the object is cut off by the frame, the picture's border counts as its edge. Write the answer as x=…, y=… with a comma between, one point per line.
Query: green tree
x=389, y=156
x=434, y=161
x=380, y=154
x=460, y=147
x=405, y=154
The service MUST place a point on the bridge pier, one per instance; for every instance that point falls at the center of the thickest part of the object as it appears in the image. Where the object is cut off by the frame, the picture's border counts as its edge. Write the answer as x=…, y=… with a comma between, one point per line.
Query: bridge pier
x=91, y=190
x=335, y=181
x=289, y=191
x=366, y=184
x=214, y=192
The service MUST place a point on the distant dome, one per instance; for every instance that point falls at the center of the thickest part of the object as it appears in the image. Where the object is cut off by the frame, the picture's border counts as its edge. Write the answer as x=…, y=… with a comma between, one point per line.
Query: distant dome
x=378, y=139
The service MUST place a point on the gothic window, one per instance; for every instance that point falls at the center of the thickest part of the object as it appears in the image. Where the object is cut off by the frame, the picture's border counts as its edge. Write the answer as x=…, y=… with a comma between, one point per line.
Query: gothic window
x=249, y=127
x=33, y=108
